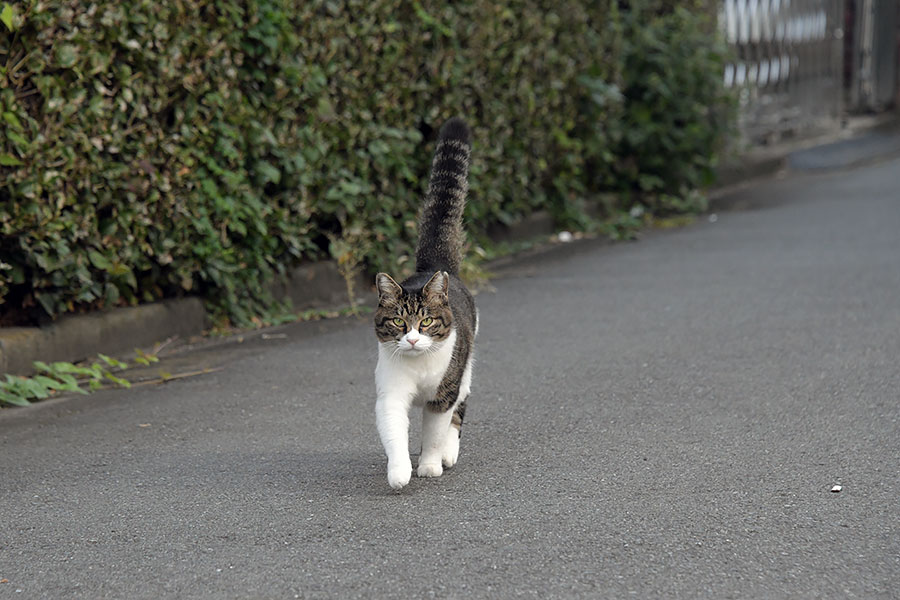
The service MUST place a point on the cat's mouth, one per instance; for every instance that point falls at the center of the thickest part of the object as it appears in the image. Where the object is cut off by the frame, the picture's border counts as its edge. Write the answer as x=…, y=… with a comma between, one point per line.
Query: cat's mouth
x=413, y=350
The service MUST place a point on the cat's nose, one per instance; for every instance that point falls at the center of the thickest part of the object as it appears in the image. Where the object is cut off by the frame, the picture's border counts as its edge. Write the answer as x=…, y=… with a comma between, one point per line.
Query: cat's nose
x=412, y=342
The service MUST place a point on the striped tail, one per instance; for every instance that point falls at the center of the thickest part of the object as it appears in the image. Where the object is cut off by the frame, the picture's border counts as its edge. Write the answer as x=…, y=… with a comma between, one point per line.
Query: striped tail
x=440, y=226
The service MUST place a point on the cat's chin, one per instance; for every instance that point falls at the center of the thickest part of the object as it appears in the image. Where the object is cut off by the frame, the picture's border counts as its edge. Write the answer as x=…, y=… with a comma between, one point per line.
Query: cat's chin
x=414, y=351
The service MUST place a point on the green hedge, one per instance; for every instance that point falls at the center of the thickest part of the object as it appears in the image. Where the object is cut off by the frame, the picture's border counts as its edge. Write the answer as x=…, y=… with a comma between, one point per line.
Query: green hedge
x=154, y=149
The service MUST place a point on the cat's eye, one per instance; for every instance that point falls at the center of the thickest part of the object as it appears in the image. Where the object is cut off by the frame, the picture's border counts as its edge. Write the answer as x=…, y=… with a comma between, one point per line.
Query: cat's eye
x=426, y=322
x=399, y=322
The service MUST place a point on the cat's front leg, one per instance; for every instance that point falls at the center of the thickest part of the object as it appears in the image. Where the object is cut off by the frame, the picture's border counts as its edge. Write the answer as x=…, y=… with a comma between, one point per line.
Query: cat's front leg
x=435, y=429
x=392, y=420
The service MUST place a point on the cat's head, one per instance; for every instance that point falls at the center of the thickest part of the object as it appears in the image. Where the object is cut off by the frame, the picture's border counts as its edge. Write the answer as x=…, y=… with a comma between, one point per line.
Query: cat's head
x=414, y=320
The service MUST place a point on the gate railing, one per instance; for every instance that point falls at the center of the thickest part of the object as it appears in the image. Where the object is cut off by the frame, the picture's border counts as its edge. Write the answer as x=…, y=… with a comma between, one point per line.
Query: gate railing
x=788, y=66
x=872, y=52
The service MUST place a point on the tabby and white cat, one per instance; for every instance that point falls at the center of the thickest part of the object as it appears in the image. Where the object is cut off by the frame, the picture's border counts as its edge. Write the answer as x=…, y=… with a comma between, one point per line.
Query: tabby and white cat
x=426, y=325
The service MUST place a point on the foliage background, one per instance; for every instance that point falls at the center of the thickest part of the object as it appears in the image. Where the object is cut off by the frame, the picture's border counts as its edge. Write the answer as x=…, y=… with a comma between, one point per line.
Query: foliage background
x=155, y=149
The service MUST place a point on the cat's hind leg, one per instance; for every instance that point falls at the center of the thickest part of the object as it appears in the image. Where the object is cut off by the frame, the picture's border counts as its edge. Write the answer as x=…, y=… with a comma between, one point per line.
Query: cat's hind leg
x=451, y=445
x=436, y=420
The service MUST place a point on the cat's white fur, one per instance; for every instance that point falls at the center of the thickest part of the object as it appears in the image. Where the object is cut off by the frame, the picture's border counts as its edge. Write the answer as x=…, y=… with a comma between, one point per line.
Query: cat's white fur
x=405, y=378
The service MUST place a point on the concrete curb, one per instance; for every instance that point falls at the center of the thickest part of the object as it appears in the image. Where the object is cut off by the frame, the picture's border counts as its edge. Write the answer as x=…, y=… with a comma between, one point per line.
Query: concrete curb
x=826, y=150
x=76, y=337
x=320, y=285
x=118, y=331
x=532, y=226
x=860, y=141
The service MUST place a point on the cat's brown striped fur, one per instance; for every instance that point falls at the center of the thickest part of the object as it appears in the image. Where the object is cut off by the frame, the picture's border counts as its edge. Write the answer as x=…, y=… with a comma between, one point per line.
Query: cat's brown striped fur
x=428, y=322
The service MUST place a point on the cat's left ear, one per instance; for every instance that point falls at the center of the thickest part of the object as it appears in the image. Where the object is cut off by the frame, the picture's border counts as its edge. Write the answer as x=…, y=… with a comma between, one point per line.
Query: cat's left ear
x=437, y=286
x=388, y=289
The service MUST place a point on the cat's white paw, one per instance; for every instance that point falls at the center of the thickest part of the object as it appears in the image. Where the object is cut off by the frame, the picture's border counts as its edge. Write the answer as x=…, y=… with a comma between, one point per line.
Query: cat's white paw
x=451, y=449
x=429, y=470
x=398, y=475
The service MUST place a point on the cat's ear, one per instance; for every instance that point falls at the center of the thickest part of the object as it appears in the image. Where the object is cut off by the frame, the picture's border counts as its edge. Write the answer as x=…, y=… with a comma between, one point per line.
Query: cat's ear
x=388, y=289
x=437, y=286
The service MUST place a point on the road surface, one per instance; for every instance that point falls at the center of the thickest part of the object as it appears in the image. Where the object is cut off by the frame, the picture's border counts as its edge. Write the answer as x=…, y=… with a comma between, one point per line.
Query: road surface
x=664, y=419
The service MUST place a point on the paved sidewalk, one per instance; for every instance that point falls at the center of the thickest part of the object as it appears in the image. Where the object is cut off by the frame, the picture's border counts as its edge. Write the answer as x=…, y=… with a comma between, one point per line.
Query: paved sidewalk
x=654, y=420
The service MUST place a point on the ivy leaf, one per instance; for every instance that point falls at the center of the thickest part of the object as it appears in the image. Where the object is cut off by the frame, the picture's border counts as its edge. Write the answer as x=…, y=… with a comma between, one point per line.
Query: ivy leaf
x=266, y=173
x=99, y=261
x=16, y=138
x=36, y=388
x=6, y=15
x=47, y=382
x=112, y=362
x=12, y=120
x=70, y=384
x=67, y=55
x=118, y=381
x=8, y=160
x=13, y=399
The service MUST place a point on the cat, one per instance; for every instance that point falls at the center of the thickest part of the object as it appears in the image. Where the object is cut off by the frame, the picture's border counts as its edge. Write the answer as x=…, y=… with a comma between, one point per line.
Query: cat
x=426, y=325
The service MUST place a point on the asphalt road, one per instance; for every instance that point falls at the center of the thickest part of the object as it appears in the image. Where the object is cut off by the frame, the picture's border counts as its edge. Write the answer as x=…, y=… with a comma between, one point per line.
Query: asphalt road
x=657, y=419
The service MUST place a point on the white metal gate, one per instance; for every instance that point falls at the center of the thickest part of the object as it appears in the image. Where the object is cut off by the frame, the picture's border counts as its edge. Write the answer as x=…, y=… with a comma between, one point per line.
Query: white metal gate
x=788, y=65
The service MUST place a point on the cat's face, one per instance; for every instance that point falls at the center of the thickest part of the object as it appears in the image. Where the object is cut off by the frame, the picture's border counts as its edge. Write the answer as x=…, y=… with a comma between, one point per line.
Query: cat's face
x=415, y=322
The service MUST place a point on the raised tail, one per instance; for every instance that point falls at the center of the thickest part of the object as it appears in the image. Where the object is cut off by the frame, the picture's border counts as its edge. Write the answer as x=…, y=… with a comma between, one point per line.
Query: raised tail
x=440, y=226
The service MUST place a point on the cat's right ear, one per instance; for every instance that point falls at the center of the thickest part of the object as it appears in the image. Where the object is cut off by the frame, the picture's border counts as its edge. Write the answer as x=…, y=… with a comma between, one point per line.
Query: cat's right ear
x=388, y=289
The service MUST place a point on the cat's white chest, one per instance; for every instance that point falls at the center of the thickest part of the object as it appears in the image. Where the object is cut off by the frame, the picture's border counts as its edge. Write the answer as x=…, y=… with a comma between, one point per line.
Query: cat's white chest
x=416, y=377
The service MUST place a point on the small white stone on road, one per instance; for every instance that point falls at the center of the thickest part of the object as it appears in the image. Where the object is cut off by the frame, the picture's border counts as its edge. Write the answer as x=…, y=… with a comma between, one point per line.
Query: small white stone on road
x=836, y=488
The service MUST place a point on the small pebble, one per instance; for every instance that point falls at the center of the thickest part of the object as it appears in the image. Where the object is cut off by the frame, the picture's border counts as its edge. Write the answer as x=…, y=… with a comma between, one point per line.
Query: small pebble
x=836, y=488
x=565, y=236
